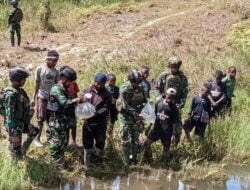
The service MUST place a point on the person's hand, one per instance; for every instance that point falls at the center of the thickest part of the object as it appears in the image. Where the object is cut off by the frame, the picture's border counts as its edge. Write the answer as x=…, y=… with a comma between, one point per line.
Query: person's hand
x=82, y=99
x=31, y=128
x=215, y=104
x=33, y=103
x=140, y=117
x=179, y=106
x=16, y=141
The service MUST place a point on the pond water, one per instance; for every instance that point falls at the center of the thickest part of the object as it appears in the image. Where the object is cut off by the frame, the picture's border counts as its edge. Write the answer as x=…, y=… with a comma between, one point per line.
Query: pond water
x=239, y=179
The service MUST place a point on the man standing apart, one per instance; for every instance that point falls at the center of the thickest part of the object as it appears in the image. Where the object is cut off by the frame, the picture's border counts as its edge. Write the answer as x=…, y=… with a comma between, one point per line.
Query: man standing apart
x=15, y=17
x=174, y=78
x=133, y=99
x=46, y=77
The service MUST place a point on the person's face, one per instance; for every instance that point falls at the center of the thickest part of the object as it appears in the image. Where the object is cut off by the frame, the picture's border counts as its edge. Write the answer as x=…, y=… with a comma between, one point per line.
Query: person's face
x=168, y=97
x=112, y=81
x=135, y=84
x=51, y=63
x=99, y=86
x=218, y=78
x=19, y=84
x=173, y=70
x=232, y=73
x=204, y=92
x=145, y=73
x=22, y=82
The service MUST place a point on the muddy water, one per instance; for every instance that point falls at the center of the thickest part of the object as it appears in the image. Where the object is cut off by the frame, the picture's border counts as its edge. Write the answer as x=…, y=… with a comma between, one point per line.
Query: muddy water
x=239, y=179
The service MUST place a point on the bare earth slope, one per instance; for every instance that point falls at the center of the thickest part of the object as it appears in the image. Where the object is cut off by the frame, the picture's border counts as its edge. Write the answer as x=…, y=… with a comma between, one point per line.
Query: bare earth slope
x=187, y=26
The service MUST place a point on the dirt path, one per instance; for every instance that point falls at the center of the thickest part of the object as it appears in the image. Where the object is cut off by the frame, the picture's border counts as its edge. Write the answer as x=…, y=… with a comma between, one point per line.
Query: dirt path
x=184, y=25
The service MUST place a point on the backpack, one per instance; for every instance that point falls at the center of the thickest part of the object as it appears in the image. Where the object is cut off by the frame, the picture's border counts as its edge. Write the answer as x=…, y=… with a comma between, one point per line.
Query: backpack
x=2, y=99
x=18, y=16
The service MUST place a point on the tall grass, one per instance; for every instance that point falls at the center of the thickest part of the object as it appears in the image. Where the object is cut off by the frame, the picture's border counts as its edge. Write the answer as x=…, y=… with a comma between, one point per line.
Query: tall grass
x=74, y=12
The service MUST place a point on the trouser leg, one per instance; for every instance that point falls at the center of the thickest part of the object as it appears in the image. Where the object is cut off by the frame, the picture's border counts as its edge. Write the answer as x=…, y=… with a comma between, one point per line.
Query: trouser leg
x=32, y=132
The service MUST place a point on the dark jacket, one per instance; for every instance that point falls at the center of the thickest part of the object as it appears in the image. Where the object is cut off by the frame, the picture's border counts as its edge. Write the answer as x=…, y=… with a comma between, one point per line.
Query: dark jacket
x=102, y=102
x=198, y=105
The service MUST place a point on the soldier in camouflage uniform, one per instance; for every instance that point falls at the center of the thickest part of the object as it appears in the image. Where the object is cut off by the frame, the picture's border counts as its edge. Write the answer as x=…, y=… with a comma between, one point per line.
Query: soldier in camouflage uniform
x=58, y=120
x=174, y=78
x=18, y=114
x=132, y=100
x=15, y=17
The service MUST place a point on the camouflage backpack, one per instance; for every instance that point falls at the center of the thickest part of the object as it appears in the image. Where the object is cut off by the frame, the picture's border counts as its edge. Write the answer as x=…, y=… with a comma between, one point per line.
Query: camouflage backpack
x=2, y=99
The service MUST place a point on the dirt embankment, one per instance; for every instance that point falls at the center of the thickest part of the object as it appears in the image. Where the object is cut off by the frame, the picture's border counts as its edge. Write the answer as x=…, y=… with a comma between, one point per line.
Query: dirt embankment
x=185, y=26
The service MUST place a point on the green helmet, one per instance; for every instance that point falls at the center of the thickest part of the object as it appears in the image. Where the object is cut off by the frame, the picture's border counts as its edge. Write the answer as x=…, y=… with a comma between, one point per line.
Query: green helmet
x=174, y=62
x=14, y=2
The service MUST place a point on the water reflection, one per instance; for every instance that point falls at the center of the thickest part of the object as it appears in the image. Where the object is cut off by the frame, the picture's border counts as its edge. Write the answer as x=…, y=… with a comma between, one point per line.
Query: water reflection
x=160, y=180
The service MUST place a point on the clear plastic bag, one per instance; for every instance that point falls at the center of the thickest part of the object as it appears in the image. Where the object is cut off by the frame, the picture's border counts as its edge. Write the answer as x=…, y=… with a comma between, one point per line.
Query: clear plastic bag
x=148, y=114
x=85, y=110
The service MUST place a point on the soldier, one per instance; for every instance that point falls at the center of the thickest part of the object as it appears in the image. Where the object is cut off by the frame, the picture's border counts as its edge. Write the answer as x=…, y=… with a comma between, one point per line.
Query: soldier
x=132, y=100
x=15, y=17
x=18, y=114
x=46, y=77
x=166, y=120
x=72, y=93
x=57, y=120
x=95, y=127
x=174, y=78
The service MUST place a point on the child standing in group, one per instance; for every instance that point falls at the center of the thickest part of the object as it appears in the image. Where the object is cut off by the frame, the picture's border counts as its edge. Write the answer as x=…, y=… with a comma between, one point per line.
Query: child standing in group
x=165, y=125
x=230, y=81
x=114, y=91
x=199, y=114
x=218, y=93
x=145, y=84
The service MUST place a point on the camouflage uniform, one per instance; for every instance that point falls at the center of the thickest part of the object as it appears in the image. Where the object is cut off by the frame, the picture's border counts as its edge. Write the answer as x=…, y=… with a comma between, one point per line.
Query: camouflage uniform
x=15, y=17
x=58, y=120
x=132, y=100
x=180, y=83
x=17, y=120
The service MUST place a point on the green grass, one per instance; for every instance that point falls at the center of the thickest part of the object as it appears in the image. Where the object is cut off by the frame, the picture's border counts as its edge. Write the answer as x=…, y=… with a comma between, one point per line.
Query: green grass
x=75, y=12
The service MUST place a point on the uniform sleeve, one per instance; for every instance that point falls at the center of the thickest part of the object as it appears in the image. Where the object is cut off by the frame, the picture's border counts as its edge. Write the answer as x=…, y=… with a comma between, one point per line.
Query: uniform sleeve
x=61, y=98
x=184, y=91
x=10, y=105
